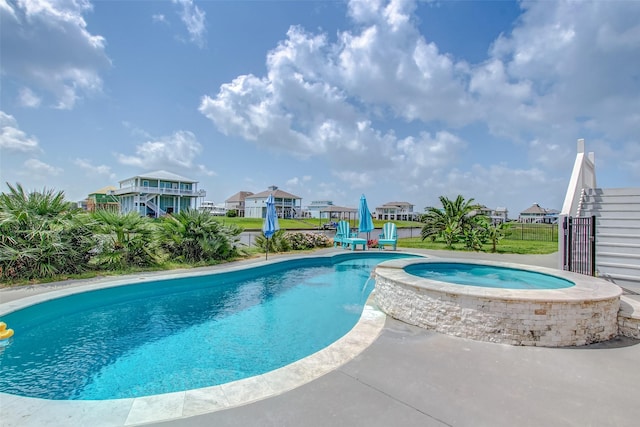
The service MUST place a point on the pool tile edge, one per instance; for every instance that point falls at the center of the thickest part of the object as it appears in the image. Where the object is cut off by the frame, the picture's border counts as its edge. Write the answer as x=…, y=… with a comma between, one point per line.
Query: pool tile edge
x=144, y=410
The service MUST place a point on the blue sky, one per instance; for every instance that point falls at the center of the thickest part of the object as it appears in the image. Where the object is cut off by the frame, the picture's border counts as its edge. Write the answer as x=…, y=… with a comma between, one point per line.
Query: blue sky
x=328, y=100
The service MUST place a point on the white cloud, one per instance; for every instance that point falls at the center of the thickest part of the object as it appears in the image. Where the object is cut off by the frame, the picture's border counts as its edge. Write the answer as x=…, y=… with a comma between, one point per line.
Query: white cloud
x=159, y=18
x=202, y=169
x=27, y=98
x=37, y=168
x=13, y=139
x=177, y=151
x=580, y=60
x=414, y=156
x=566, y=70
x=92, y=169
x=194, y=19
x=47, y=47
x=297, y=181
x=356, y=180
x=319, y=99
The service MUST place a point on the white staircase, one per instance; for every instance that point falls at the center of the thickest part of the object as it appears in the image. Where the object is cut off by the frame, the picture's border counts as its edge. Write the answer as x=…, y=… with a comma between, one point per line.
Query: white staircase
x=149, y=203
x=617, y=212
x=156, y=209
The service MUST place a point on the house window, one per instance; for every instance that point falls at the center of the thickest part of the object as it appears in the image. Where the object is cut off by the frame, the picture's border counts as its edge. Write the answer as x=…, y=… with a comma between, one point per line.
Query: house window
x=145, y=183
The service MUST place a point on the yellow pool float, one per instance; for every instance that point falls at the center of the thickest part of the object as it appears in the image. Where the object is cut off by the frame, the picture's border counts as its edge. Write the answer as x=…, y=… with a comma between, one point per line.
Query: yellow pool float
x=4, y=332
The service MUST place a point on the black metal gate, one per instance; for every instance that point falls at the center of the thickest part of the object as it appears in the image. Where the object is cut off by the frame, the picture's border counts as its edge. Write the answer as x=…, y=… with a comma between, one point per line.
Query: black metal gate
x=580, y=244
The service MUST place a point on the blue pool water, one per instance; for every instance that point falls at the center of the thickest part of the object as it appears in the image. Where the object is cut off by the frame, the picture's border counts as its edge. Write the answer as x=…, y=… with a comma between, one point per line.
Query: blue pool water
x=487, y=276
x=180, y=334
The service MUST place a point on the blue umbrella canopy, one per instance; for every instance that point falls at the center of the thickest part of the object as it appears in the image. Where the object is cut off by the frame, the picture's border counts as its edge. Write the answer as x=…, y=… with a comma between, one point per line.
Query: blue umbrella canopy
x=365, y=224
x=270, y=225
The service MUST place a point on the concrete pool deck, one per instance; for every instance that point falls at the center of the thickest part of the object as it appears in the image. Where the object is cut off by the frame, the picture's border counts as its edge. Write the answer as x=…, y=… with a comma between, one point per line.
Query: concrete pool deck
x=409, y=376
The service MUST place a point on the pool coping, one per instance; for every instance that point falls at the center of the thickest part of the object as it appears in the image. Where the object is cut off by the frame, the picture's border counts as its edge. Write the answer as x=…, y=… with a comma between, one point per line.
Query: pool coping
x=572, y=316
x=26, y=411
x=597, y=289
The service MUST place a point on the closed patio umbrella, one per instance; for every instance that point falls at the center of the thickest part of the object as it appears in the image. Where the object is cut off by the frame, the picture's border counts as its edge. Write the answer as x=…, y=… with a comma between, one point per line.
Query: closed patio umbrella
x=270, y=225
x=365, y=223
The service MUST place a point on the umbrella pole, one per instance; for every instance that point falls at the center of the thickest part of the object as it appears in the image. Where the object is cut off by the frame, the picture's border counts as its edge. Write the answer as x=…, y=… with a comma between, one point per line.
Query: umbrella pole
x=266, y=253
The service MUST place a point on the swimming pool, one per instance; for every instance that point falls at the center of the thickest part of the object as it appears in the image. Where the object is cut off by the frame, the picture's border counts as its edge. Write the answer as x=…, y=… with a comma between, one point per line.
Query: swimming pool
x=487, y=276
x=180, y=334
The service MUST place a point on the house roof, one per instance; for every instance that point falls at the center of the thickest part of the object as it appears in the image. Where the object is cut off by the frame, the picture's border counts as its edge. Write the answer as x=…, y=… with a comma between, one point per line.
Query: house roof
x=334, y=208
x=277, y=193
x=396, y=204
x=105, y=190
x=534, y=209
x=163, y=175
x=239, y=196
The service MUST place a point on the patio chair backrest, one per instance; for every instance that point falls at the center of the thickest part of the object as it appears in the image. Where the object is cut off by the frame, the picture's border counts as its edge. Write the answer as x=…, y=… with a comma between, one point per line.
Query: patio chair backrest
x=389, y=231
x=343, y=230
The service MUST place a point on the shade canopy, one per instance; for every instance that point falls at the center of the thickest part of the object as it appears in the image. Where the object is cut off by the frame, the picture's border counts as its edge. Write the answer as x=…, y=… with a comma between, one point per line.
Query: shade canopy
x=365, y=223
x=270, y=225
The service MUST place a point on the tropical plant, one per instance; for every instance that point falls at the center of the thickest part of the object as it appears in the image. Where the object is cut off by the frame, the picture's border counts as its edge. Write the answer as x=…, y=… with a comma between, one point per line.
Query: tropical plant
x=474, y=238
x=41, y=235
x=193, y=236
x=124, y=240
x=497, y=232
x=452, y=221
x=276, y=243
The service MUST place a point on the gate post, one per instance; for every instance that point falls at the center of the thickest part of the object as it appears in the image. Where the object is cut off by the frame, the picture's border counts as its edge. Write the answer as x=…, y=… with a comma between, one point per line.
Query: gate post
x=562, y=242
x=593, y=245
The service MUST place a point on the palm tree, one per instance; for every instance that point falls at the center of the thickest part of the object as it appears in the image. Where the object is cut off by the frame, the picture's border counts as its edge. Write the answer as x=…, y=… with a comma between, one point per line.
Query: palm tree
x=41, y=234
x=125, y=240
x=276, y=243
x=450, y=222
x=195, y=236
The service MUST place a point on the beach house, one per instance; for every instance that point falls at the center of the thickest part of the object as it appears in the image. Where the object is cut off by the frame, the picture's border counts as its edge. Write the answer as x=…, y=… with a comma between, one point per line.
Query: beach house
x=158, y=193
x=287, y=205
x=400, y=211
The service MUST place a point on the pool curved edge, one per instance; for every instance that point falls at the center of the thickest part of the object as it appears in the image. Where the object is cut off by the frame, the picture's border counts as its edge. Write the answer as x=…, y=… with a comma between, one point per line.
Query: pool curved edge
x=582, y=314
x=28, y=411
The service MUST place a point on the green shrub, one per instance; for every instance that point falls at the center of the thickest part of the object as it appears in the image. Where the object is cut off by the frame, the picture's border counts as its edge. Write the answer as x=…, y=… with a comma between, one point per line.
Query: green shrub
x=282, y=241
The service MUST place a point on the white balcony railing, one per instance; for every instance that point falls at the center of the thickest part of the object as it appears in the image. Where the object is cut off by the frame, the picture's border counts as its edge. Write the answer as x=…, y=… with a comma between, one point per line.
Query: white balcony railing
x=159, y=190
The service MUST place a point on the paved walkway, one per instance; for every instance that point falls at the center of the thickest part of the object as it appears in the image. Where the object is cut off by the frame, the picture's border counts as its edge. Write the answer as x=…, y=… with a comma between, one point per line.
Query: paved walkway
x=414, y=377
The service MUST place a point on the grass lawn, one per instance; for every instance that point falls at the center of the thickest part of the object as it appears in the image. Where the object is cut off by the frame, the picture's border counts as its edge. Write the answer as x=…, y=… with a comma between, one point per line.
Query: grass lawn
x=505, y=246
x=300, y=224
x=531, y=247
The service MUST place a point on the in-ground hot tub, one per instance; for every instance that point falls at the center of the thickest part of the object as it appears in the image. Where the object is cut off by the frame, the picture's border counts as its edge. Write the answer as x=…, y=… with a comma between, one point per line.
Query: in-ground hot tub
x=580, y=310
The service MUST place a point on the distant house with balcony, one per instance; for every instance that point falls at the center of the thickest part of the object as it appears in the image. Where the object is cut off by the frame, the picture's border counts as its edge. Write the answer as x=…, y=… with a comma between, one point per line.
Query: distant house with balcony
x=497, y=215
x=236, y=202
x=398, y=211
x=103, y=199
x=216, y=209
x=287, y=205
x=316, y=208
x=158, y=193
x=537, y=214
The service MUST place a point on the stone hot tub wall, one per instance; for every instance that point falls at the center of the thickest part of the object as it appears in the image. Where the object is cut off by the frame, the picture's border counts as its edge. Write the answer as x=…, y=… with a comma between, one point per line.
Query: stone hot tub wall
x=579, y=315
